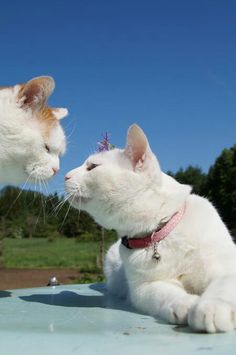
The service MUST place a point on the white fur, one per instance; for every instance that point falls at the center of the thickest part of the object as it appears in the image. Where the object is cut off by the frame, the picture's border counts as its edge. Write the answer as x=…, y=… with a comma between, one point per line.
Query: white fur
x=60, y=113
x=22, y=145
x=195, y=280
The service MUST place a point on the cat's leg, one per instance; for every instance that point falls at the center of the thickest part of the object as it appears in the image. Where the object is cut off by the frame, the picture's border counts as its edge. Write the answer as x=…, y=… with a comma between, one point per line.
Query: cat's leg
x=216, y=309
x=114, y=272
x=166, y=299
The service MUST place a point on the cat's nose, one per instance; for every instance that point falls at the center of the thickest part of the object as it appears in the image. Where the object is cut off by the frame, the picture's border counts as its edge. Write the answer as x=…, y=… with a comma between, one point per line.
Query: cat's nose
x=67, y=177
x=55, y=170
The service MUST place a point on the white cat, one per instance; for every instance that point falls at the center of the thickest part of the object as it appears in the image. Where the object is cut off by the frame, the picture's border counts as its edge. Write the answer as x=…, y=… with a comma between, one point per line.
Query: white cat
x=31, y=138
x=187, y=278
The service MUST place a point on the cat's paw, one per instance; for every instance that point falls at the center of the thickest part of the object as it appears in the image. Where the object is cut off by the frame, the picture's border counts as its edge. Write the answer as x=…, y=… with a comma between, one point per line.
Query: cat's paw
x=177, y=312
x=212, y=316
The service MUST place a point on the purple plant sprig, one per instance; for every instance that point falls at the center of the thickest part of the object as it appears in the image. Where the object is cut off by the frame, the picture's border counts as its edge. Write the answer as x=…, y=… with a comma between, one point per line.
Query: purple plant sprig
x=105, y=145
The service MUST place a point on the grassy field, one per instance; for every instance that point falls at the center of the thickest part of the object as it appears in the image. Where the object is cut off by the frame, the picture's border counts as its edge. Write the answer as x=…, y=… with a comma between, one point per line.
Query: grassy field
x=61, y=253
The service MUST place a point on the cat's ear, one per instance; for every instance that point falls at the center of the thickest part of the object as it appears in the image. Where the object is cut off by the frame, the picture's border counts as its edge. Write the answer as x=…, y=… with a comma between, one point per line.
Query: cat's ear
x=138, y=149
x=35, y=92
x=60, y=113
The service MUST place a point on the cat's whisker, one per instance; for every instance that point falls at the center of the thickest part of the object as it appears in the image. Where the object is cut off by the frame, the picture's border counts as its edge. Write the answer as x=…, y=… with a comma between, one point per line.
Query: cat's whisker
x=43, y=200
x=61, y=204
x=17, y=197
x=35, y=184
x=38, y=186
x=37, y=220
x=79, y=208
x=92, y=149
x=67, y=212
x=50, y=201
x=55, y=208
x=45, y=185
x=52, y=211
x=72, y=126
x=69, y=123
x=44, y=210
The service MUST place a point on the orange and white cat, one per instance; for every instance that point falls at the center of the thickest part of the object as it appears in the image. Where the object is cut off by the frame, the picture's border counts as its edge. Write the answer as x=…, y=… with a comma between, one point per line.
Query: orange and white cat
x=31, y=137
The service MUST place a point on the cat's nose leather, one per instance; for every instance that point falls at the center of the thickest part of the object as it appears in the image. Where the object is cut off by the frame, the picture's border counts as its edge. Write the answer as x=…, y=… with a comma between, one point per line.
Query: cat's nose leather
x=55, y=170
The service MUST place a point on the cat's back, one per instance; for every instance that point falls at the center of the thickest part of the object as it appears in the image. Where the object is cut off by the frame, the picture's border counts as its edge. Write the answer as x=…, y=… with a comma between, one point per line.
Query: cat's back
x=202, y=217
x=212, y=238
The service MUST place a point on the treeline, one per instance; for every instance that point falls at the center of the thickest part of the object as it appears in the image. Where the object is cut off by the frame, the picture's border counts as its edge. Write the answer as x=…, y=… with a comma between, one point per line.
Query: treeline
x=27, y=214
x=218, y=185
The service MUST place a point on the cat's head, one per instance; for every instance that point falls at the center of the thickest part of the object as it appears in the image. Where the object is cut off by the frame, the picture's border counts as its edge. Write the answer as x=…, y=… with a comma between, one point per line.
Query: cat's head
x=125, y=189
x=32, y=138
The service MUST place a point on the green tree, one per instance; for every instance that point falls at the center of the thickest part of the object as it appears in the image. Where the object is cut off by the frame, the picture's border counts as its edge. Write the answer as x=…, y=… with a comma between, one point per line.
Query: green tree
x=192, y=176
x=32, y=214
x=221, y=186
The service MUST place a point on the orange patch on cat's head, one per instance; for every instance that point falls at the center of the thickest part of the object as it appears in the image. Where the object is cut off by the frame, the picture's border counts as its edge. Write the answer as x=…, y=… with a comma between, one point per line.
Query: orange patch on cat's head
x=49, y=118
x=34, y=95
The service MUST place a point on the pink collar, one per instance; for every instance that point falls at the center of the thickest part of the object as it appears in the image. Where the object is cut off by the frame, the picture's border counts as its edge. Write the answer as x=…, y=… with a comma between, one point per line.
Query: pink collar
x=156, y=236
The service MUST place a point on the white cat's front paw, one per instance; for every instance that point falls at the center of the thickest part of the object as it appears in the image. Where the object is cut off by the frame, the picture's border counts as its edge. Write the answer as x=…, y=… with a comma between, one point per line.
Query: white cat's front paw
x=177, y=312
x=212, y=316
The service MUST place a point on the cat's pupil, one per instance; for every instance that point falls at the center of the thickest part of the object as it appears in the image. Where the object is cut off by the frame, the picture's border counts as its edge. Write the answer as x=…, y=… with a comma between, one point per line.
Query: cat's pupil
x=92, y=166
x=47, y=148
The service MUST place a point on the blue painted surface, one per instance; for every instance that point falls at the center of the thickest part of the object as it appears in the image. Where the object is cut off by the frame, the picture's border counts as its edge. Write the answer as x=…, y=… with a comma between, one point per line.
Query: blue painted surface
x=81, y=319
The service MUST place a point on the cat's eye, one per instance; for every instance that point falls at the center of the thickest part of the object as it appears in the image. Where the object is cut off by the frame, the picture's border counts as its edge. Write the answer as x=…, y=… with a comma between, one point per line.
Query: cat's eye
x=47, y=148
x=91, y=166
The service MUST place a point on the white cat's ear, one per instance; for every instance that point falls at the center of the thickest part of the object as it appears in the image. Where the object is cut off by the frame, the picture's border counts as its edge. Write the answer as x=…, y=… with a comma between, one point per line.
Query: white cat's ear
x=35, y=92
x=60, y=113
x=137, y=145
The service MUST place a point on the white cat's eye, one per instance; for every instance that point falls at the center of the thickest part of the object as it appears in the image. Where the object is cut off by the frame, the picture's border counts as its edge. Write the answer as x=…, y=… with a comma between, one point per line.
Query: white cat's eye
x=91, y=166
x=47, y=148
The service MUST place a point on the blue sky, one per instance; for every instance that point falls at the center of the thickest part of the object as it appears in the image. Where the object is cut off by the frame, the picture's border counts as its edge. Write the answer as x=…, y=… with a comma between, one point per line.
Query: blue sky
x=168, y=65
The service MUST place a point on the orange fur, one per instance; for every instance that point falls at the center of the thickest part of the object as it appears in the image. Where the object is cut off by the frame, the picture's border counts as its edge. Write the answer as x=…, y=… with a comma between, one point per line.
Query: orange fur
x=47, y=119
x=43, y=114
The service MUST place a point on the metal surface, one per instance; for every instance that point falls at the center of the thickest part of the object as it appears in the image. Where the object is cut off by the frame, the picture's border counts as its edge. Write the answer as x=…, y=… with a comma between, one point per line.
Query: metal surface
x=81, y=319
x=53, y=281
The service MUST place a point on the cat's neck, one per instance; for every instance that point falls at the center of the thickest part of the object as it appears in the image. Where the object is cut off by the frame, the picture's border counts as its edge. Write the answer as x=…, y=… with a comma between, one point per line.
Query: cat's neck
x=157, y=207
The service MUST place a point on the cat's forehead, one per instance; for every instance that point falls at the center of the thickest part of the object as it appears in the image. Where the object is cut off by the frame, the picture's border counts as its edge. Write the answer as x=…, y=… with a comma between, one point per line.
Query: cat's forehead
x=111, y=157
x=46, y=116
x=51, y=128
